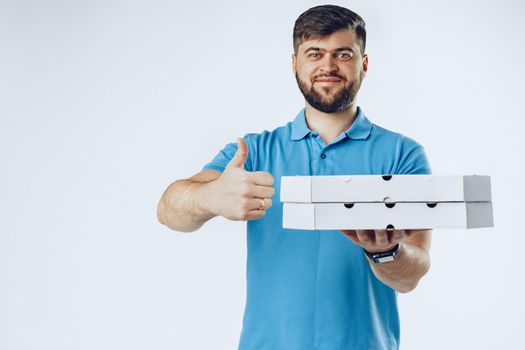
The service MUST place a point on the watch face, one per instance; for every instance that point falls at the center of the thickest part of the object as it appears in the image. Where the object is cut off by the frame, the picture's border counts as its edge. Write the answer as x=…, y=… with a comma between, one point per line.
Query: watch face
x=384, y=259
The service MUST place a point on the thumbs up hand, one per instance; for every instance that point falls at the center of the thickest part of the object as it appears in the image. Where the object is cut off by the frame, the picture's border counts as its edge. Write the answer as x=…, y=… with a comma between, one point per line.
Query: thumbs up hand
x=238, y=194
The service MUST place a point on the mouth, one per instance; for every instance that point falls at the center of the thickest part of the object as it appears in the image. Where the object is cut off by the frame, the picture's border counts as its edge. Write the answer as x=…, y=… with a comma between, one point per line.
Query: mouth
x=328, y=81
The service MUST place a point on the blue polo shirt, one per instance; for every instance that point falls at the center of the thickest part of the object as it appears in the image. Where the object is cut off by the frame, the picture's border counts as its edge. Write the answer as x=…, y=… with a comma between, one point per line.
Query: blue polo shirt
x=311, y=290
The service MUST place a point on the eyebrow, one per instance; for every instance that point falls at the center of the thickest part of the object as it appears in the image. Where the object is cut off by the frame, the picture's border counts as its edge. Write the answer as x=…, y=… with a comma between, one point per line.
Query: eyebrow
x=344, y=48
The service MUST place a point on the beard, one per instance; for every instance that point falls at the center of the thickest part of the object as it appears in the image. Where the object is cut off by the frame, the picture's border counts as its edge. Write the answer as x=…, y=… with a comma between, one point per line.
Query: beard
x=342, y=99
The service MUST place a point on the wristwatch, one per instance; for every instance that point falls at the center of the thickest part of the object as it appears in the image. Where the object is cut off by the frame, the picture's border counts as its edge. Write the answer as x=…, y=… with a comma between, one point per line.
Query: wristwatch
x=382, y=257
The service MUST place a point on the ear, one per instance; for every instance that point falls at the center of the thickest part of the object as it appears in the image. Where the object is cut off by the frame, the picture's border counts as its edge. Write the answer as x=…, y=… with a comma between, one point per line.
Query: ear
x=294, y=63
x=365, y=63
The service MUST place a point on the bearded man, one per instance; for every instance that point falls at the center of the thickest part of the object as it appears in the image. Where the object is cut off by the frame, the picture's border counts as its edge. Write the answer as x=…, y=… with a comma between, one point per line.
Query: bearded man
x=312, y=289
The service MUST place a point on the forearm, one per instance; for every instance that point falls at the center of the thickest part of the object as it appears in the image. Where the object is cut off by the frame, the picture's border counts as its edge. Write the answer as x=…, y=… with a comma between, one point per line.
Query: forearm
x=183, y=206
x=404, y=273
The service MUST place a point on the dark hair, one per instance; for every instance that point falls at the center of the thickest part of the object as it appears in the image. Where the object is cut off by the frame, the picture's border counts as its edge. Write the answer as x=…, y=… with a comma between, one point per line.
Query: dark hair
x=320, y=21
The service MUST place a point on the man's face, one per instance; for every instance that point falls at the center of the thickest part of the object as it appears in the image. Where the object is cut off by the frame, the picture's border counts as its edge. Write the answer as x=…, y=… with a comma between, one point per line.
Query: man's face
x=329, y=70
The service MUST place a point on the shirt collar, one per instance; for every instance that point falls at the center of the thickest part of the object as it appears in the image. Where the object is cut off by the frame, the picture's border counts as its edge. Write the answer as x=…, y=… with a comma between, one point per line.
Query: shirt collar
x=359, y=130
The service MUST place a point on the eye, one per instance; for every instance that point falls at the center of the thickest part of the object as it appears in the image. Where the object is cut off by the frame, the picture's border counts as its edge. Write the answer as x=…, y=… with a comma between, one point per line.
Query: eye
x=344, y=56
x=314, y=55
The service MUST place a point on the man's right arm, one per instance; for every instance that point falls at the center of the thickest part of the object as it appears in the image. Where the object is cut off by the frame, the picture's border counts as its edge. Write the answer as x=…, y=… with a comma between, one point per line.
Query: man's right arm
x=183, y=204
x=234, y=194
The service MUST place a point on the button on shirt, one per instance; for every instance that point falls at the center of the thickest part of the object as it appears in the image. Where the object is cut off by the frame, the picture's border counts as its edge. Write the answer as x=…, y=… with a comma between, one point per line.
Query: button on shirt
x=311, y=290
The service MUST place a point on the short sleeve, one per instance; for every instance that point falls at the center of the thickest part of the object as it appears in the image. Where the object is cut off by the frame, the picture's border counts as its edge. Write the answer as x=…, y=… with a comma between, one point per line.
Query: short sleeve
x=222, y=159
x=413, y=158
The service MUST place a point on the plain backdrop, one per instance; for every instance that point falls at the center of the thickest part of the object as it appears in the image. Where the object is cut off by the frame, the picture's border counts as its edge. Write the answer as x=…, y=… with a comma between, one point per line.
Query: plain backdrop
x=104, y=103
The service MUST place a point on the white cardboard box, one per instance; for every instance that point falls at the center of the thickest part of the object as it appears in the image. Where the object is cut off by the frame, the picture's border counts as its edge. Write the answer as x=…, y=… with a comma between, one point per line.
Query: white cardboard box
x=335, y=216
x=385, y=188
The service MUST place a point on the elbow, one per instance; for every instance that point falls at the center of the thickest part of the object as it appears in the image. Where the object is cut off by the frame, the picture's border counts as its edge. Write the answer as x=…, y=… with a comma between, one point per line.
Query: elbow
x=165, y=209
x=169, y=220
x=163, y=216
x=161, y=207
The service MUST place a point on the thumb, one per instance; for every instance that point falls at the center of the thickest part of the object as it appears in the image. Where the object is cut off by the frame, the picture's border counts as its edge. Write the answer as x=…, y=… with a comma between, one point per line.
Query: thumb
x=241, y=155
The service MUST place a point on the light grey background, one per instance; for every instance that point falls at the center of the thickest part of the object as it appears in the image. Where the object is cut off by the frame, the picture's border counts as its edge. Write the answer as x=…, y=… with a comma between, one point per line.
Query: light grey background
x=105, y=103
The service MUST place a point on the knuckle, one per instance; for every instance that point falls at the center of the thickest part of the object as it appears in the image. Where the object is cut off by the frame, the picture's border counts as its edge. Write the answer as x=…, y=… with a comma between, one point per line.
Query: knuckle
x=244, y=188
x=244, y=204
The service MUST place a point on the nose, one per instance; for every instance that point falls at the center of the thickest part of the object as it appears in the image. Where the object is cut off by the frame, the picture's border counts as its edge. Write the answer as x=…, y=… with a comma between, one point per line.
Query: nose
x=328, y=64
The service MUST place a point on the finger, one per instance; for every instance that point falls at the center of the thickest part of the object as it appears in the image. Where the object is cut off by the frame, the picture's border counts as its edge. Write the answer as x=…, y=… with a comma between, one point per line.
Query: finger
x=397, y=236
x=262, y=178
x=256, y=203
x=255, y=214
x=381, y=237
x=263, y=191
x=267, y=203
x=240, y=156
x=352, y=235
x=367, y=237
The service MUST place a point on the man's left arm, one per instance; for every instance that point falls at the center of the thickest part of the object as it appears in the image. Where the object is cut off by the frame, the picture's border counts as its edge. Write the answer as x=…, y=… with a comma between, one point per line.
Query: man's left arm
x=412, y=261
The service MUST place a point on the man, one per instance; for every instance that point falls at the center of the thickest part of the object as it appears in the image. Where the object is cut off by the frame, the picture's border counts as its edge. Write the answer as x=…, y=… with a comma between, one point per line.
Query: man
x=312, y=289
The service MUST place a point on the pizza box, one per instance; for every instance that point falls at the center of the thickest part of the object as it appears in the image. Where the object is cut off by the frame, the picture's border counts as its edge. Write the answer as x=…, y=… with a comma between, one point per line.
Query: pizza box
x=338, y=216
x=385, y=188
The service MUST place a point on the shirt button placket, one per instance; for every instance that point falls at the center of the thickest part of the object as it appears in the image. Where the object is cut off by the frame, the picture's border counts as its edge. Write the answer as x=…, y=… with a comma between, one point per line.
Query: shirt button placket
x=324, y=162
x=318, y=149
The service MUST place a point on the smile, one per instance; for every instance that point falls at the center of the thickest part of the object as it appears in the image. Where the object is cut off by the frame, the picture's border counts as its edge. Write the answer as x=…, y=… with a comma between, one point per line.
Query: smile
x=328, y=81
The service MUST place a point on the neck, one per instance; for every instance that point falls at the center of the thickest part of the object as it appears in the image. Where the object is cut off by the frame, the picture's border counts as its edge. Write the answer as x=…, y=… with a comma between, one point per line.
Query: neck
x=330, y=125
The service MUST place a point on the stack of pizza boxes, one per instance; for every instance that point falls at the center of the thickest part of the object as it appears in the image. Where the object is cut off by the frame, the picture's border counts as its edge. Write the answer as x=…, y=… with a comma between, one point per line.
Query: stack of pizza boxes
x=386, y=202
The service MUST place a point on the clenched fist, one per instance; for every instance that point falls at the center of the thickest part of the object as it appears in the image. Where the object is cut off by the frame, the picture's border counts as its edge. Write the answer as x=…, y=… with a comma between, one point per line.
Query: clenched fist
x=239, y=194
